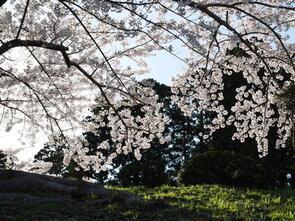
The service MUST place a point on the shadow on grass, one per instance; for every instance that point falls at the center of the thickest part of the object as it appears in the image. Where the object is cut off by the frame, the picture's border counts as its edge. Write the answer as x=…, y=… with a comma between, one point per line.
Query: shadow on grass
x=43, y=207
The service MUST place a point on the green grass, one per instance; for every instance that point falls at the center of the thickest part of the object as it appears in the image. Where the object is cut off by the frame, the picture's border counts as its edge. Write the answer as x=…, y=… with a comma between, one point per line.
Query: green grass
x=224, y=203
x=201, y=202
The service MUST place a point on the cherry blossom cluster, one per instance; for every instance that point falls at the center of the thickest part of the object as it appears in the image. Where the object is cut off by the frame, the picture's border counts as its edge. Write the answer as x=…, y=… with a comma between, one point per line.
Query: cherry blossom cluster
x=250, y=40
x=130, y=132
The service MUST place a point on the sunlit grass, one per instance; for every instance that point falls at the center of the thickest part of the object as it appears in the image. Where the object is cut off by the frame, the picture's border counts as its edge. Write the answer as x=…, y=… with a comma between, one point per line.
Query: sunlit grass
x=227, y=203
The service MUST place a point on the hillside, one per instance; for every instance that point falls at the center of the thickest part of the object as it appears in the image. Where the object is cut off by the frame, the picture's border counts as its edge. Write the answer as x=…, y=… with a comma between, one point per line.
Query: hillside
x=201, y=202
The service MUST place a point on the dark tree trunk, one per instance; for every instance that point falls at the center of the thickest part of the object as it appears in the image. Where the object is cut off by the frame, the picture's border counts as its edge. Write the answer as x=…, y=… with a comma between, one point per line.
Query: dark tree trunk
x=2, y=2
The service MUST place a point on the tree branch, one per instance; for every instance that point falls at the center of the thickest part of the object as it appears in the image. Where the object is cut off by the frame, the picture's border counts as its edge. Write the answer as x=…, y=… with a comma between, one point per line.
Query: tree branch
x=6, y=46
x=2, y=2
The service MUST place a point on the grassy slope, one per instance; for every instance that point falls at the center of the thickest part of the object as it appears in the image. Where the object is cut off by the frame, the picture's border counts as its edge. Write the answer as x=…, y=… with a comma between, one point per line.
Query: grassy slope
x=201, y=202
x=227, y=203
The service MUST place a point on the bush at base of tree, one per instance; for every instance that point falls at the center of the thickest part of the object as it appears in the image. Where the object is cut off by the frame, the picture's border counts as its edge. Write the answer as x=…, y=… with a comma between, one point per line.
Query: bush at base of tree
x=223, y=167
x=149, y=172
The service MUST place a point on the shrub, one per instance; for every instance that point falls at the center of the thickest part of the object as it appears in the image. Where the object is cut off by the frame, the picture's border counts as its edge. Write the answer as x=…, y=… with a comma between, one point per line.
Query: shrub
x=222, y=167
x=149, y=172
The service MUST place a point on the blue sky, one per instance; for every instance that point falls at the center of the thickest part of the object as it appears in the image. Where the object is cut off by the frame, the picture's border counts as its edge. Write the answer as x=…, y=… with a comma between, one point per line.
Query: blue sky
x=163, y=67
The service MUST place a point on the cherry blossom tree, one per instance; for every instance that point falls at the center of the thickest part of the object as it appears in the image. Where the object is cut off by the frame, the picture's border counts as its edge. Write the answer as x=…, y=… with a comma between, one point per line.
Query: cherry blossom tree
x=60, y=57
x=259, y=31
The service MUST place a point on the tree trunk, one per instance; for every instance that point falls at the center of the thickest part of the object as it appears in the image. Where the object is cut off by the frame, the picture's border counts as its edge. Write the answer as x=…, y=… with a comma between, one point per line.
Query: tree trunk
x=2, y=2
